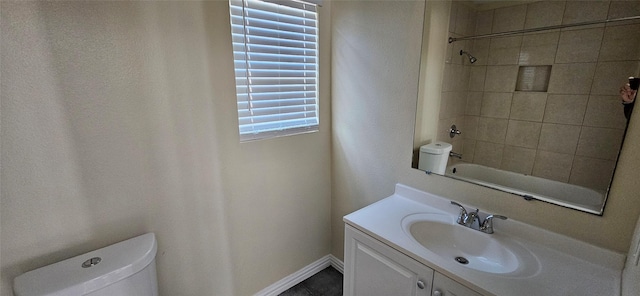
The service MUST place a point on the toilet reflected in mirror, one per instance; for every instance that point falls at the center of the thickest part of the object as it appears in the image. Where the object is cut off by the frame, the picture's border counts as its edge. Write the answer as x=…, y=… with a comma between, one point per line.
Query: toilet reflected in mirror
x=434, y=157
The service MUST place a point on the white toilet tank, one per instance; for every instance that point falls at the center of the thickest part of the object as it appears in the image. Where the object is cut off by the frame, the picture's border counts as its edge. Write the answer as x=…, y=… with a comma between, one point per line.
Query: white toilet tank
x=434, y=157
x=127, y=268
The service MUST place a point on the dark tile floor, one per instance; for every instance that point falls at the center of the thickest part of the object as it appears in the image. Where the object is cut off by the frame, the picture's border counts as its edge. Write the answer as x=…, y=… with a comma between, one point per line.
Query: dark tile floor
x=327, y=282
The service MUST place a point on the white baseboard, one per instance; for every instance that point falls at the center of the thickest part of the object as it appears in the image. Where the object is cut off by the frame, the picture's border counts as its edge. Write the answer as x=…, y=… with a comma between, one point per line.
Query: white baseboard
x=336, y=263
x=301, y=275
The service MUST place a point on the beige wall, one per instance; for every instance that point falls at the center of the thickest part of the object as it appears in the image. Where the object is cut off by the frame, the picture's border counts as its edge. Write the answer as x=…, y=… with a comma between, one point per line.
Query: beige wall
x=119, y=118
x=431, y=77
x=631, y=272
x=375, y=66
x=372, y=144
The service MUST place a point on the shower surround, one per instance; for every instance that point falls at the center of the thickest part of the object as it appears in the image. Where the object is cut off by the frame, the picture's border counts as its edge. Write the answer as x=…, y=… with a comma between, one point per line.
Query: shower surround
x=571, y=132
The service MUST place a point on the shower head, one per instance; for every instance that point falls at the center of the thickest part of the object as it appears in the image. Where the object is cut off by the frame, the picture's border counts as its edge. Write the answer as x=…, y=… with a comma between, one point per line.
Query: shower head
x=472, y=59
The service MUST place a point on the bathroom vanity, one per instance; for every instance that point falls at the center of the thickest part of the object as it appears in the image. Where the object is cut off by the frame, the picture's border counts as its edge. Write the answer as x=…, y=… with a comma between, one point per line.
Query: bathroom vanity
x=381, y=270
x=410, y=244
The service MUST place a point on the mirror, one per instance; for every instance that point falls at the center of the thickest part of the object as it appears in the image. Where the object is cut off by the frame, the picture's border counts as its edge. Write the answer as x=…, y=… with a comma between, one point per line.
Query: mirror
x=537, y=114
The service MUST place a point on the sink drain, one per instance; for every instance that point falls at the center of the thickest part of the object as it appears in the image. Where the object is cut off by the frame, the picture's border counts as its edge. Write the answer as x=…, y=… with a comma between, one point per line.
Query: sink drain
x=462, y=260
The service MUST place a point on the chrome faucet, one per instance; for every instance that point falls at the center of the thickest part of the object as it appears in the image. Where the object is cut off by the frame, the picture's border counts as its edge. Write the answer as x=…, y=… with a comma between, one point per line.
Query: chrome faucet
x=466, y=219
x=487, y=225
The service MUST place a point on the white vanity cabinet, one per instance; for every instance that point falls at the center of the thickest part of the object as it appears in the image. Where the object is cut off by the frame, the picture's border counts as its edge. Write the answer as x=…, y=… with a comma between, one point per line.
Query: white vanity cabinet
x=444, y=286
x=375, y=269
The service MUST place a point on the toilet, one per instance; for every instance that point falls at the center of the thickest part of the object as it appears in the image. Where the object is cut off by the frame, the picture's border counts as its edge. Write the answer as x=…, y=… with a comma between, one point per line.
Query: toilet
x=127, y=268
x=433, y=157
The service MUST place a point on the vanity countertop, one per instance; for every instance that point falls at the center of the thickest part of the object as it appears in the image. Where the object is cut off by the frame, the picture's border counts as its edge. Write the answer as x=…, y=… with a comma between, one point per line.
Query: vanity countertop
x=566, y=266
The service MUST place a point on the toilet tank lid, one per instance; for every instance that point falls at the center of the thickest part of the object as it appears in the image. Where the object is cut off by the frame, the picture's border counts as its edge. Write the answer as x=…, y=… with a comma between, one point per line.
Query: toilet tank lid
x=436, y=148
x=69, y=277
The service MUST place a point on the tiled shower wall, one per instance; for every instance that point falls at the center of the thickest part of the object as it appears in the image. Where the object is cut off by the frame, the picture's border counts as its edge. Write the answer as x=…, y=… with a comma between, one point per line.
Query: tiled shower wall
x=570, y=133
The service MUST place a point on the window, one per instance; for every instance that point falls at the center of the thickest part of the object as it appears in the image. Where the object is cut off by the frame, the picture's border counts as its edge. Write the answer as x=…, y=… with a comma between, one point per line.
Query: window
x=275, y=49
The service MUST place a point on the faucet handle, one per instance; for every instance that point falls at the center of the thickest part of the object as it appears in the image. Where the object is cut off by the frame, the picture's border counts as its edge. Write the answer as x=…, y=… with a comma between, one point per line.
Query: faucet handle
x=462, y=218
x=487, y=225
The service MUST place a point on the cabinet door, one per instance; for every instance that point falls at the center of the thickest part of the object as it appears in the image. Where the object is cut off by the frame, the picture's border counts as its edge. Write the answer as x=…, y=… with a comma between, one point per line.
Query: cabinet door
x=444, y=286
x=373, y=268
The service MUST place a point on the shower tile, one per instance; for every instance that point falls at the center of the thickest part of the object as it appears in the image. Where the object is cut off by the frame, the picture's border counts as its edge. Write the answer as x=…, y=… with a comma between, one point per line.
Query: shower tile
x=518, y=159
x=504, y=50
x=492, y=129
x=509, y=18
x=501, y=78
x=474, y=101
x=610, y=76
x=447, y=105
x=461, y=124
x=565, y=109
x=488, y=154
x=539, y=49
x=533, y=78
x=603, y=143
x=523, y=134
x=445, y=102
x=471, y=127
x=621, y=43
x=456, y=58
x=484, y=21
x=528, y=106
x=462, y=19
x=624, y=8
x=544, y=14
x=463, y=83
x=579, y=46
x=571, y=78
x=451, y=56
x=605, y=111
x=559, y=138
x=442, y=134
x=496, y=105
x=457, y=143
x=553, y=166
x=446, y=77
x=476, y=78
x=469, y=149
x=592, y=173
x=459, y=103
x=583, y=11
x=448, y=56
x=481, y=51
x=453, y=16
x=456, y=78
x=471, y=23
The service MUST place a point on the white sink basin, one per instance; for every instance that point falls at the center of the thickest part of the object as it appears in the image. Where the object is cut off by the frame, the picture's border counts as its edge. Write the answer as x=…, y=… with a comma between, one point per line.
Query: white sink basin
x=491, y=253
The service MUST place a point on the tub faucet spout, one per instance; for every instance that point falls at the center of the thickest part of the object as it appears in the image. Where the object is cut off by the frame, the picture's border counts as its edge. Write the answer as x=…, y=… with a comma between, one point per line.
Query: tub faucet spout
x=454, y=154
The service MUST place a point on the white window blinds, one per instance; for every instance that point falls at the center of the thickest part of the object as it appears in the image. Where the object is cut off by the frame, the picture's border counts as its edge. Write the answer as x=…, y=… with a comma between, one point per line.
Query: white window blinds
x=275, y=49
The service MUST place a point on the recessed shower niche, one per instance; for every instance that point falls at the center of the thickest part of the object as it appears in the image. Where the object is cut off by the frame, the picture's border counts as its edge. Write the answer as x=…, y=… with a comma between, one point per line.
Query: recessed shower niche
x=533, y=78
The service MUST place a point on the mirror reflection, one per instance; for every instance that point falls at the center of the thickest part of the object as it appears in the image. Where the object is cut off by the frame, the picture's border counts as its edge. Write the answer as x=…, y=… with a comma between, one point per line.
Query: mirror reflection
x=538, y=113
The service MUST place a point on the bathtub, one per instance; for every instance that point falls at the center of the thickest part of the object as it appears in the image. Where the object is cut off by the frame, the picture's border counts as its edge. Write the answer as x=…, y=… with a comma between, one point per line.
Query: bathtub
x=568, y=195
